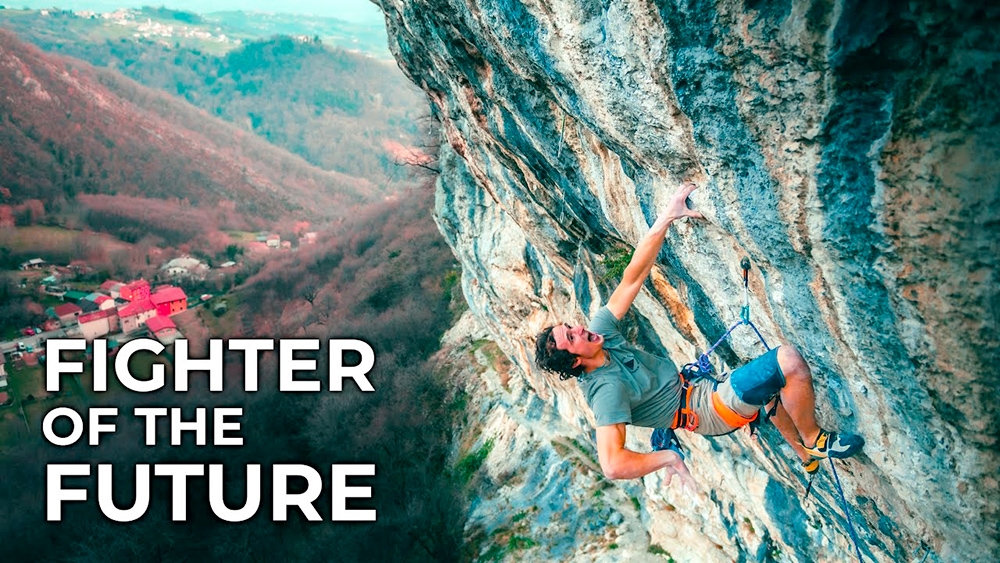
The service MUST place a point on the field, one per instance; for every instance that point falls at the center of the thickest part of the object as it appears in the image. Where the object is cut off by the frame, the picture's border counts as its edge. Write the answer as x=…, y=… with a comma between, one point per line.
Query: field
x=27, y=387
x=43, y=240
x=222, y=326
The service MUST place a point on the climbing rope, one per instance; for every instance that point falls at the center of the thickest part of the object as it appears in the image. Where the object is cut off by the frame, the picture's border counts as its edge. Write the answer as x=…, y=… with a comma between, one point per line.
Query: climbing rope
x=847, y=510
x=704, y=368
x=812, y=477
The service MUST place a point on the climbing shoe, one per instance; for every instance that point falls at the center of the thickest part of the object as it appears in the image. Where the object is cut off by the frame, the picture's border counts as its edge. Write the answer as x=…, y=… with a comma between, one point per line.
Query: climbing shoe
x=833, y=444
x=811, y=465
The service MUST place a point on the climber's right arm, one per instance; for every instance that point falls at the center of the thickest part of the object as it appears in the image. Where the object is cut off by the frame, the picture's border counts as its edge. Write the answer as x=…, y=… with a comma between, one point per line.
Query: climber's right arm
x=618, y=462
x=646, y=251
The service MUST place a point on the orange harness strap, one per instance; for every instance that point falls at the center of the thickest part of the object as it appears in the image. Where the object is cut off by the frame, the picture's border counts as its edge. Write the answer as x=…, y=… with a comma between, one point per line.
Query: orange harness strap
x=728, y=415
x=685, y=417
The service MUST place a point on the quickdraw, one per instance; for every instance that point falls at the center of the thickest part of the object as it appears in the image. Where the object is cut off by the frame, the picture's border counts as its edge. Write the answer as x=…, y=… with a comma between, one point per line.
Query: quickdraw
x=704, y=363
x=685, y=417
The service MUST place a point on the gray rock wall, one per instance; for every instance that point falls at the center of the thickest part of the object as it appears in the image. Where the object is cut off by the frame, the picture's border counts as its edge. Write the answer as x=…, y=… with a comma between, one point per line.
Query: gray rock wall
x=850, y=149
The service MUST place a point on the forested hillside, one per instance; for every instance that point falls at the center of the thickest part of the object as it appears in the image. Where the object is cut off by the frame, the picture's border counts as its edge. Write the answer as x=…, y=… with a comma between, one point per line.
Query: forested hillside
x=339, y=110
x=385, y=276
x=68, y=130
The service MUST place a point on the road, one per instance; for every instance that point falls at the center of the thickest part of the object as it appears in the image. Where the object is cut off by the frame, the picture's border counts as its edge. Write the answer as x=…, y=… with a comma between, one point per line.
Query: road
x=37, y=341
x=34, y=341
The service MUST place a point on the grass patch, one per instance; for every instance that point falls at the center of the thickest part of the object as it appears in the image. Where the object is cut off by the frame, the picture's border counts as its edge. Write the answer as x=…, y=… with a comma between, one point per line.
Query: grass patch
x=45, y=240
x=451, y=286
x=500, y=550
x=477, y=344
x=9, y=332
x=459, y=402
x=241, y=236
x=520, y=542
x=12, y=429
x=469, y=465
x=657, y=550
x=615, y=262
x=36, y=411
x=222, y=326
x=27, y=380
x=585, y=451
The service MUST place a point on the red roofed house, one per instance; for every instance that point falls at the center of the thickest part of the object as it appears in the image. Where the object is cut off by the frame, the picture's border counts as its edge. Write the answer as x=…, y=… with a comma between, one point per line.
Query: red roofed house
x=163, y=329
x=135, y=291
x=134, y=315
x=106, y=286
x=104, y=302
x=98, y=323
x=112, y=288
x=169, y=300
x=67, y=313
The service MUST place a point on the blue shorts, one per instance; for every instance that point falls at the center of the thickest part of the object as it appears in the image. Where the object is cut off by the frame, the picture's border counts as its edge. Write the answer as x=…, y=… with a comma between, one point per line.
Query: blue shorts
x=759, y=381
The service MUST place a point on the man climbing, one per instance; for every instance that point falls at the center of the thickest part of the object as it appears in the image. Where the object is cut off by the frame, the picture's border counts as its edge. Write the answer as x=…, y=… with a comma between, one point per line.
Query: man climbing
x=625, y=386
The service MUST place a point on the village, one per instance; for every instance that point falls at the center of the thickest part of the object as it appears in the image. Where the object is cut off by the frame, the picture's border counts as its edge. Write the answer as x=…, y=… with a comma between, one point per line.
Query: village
x=69, y=301
x=115, y=310
x=148, y=28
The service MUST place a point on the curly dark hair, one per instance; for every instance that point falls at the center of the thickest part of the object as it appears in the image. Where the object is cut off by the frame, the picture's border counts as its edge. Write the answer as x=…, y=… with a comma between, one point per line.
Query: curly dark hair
x=552, y=359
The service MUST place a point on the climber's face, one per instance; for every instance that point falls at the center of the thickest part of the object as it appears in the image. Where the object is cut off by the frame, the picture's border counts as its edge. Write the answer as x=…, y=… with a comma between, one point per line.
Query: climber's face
x=578, y=341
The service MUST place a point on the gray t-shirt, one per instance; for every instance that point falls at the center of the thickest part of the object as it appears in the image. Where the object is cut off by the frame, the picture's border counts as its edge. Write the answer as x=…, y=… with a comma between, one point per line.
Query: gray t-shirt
x=635, y=387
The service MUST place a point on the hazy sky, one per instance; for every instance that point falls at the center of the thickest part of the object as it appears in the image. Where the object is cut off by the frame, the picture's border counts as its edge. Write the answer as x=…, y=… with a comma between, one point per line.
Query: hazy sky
x=359, y=11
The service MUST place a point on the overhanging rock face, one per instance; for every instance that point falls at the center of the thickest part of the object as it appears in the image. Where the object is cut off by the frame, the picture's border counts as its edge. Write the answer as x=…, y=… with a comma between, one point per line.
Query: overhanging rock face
x=850, y=149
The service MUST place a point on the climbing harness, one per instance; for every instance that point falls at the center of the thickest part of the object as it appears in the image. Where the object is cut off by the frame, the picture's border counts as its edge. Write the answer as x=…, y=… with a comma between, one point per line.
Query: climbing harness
x=685, y=417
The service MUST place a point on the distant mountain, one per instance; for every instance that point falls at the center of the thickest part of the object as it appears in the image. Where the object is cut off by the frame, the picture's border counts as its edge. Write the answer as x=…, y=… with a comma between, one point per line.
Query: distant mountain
x=368, y=38
x=211, y=31
x=68, y=129
x=349, y=11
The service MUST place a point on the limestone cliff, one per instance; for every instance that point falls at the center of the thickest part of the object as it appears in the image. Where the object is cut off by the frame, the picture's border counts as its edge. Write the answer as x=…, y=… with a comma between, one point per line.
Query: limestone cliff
x=849, y=148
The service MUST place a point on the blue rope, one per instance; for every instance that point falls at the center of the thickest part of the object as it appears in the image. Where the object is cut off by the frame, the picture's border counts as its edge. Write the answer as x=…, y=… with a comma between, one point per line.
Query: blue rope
x=705, y=364
x=847, y=510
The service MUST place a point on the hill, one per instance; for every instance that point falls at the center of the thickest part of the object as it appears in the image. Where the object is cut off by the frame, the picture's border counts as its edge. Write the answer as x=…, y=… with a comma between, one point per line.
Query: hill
x=384, y=275
x=215, y=31
x=68, y=130
x=339, y=110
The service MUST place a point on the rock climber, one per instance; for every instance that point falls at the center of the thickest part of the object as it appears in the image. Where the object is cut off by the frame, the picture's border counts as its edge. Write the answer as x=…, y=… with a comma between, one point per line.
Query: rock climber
x=625, y=386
